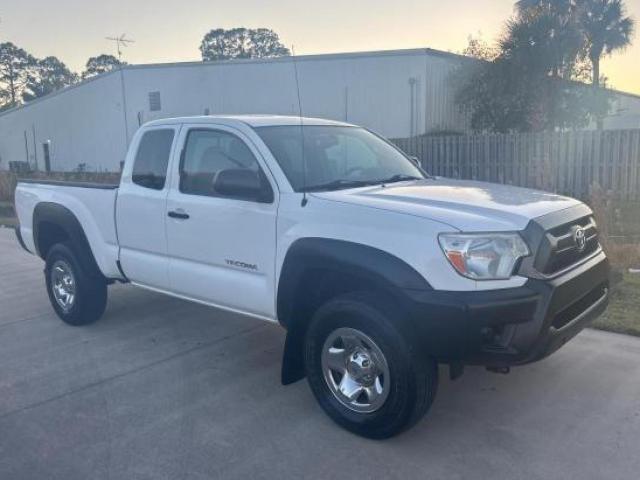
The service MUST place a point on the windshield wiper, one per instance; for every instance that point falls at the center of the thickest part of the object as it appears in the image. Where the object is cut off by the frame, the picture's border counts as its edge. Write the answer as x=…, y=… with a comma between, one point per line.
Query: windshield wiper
x=343, y=183
x=399, y=178
x=340, y=184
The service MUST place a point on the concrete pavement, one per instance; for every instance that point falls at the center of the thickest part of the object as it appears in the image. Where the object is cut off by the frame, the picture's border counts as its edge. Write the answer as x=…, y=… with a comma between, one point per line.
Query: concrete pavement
x=163, y=389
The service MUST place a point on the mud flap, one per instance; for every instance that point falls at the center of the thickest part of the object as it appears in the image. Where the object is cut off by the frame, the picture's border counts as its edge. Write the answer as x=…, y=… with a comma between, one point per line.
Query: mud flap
x=293, y=358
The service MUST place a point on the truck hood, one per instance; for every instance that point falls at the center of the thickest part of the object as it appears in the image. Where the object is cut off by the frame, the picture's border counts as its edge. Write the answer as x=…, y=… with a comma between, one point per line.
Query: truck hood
x=464, y=205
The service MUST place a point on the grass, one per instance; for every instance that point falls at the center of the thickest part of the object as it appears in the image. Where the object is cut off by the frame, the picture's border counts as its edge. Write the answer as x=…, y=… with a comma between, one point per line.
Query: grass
x=623, y=314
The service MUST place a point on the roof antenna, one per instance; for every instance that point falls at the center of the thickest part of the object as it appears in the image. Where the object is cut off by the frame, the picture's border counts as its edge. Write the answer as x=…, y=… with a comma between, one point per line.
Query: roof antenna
x=120, y=42
x=304, y=160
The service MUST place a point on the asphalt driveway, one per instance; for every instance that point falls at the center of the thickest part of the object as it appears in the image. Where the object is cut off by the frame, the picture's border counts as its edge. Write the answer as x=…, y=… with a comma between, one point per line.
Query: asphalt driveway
x=163, y=389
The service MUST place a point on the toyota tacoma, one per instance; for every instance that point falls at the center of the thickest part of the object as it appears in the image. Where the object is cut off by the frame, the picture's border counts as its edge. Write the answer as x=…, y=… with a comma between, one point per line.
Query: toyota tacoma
x=378, y=271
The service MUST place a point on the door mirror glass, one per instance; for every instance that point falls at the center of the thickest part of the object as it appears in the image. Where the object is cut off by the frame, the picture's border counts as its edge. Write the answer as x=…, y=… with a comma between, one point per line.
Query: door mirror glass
x=243, y=184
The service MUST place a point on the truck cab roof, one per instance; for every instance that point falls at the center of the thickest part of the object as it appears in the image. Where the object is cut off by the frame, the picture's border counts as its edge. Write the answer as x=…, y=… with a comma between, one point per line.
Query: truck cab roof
x=253, y=120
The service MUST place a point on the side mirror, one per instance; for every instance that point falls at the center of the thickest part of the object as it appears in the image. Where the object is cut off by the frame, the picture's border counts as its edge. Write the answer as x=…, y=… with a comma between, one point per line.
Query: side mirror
x=415, y=160
x=243, y=184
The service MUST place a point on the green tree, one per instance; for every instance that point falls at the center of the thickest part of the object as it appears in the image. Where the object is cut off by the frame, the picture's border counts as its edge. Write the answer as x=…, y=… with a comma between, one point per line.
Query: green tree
x=480, y=49
x=101, y=64
x=265, y=43
x=48, y=75
x=606, y=28
x=16, y=65
x=532, y=82
x=221, y=44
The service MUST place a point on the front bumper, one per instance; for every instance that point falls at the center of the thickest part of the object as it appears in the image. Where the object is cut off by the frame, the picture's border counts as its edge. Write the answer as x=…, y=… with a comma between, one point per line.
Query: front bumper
x=513, y=326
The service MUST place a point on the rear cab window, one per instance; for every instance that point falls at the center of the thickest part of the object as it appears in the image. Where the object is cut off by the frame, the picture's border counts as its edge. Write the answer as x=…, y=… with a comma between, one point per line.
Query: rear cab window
x=152, y=158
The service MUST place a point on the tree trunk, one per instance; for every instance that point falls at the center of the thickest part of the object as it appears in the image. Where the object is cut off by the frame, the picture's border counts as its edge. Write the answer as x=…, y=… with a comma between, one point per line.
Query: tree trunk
x=595, y=61
x=12, y=85
x=596, y=72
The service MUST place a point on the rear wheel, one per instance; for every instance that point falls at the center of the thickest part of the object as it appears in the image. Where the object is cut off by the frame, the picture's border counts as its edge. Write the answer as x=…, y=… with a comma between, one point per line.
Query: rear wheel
x=364, y=370
x=77, y=294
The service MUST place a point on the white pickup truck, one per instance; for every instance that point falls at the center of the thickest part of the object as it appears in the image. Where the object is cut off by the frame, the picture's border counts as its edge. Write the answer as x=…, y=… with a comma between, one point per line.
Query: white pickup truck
x=377, y=270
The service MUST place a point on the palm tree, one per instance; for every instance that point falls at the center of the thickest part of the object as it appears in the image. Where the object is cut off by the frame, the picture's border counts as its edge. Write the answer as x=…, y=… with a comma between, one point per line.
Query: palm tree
x=606, y=28
x=557, y=7
x=544, y=34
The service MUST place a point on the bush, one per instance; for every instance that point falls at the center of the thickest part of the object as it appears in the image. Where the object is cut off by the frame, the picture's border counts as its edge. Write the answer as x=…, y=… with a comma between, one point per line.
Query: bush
x=618, y=229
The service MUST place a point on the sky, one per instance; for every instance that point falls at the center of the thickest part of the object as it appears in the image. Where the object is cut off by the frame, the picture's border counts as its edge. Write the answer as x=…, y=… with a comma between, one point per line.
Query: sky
x=169, y=31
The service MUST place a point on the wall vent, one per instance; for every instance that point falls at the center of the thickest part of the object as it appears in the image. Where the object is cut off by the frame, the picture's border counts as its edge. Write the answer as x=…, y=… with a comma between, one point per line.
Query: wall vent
x=155, y=104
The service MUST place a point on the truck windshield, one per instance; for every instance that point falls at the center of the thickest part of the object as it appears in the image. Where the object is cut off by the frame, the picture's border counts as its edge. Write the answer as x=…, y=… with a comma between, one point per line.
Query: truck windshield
x=336, y=157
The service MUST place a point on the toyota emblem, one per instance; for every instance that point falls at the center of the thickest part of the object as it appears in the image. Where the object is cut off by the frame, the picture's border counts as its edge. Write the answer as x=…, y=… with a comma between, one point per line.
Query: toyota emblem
x=580, y=238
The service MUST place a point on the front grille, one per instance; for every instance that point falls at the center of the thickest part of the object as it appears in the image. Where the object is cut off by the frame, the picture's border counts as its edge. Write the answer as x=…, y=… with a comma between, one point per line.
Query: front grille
x=559, y=249
x=571, y=312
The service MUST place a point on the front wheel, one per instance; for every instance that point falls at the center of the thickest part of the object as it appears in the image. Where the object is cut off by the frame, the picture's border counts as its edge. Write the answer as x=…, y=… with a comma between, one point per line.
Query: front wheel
x=78, y=295
x=364, y=370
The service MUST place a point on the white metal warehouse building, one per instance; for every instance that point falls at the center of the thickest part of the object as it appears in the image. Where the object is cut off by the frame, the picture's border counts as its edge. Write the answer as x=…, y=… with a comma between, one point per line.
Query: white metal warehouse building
x=396, y=93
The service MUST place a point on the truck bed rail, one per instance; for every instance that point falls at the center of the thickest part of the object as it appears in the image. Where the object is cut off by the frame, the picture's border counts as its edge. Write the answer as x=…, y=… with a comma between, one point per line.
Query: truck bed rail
x=67, y=183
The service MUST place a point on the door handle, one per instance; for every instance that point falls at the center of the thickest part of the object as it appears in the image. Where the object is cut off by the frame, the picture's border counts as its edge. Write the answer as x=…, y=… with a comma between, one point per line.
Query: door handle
x=179, y=214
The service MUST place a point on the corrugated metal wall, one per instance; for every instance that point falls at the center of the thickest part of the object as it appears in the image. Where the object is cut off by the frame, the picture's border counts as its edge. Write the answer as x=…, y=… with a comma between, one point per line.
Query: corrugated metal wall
x=84, y=124
x=393, y=93
x=397, y=93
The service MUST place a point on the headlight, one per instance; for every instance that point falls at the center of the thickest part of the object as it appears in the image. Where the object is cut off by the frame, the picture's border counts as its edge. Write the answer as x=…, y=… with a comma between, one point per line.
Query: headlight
x=484, y=256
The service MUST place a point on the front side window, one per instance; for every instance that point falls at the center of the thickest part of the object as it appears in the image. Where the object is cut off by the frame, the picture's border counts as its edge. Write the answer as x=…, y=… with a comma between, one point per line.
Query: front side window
x=152, y=159
x=214, y=158
x=335, y=157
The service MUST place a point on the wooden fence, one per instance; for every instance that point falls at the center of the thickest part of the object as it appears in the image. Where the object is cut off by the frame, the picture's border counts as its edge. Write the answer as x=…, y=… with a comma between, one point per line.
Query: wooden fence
x=569, y=163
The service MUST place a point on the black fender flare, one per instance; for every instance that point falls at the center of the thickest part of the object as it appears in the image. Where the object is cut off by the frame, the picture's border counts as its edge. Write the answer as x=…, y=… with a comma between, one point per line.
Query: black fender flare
x=62, y=217
x=374, y=267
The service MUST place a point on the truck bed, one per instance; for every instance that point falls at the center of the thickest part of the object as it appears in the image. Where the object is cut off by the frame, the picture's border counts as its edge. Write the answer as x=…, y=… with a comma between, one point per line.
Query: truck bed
x=92, y=204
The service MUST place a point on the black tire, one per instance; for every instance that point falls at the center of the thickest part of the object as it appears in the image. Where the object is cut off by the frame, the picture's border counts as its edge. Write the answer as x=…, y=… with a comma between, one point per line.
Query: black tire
x=90, y=287
x=413, y=375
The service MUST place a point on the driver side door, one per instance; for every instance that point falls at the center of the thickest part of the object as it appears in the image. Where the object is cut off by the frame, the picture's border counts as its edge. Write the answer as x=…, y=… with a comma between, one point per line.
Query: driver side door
x=221, y=248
